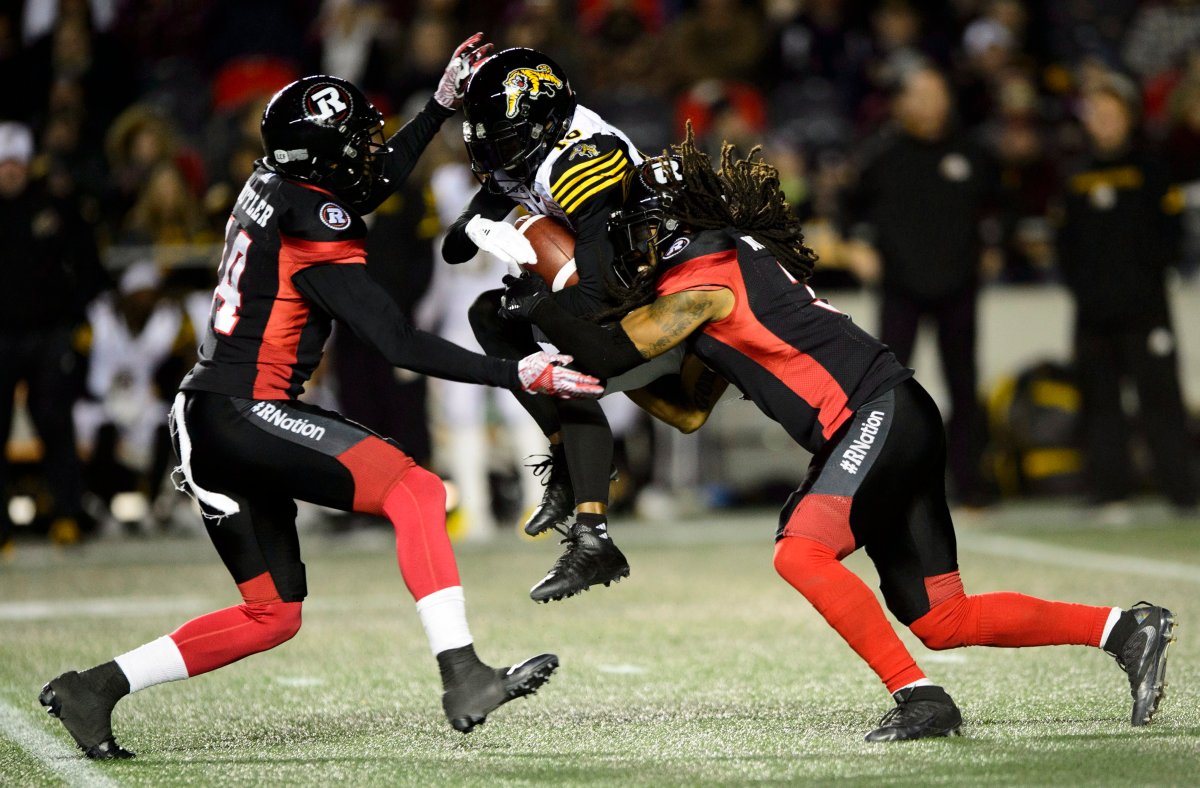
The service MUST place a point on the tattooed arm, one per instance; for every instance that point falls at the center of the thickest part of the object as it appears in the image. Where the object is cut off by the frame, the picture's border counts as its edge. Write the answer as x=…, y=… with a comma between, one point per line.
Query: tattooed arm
x=683, y=401
x=644, y=333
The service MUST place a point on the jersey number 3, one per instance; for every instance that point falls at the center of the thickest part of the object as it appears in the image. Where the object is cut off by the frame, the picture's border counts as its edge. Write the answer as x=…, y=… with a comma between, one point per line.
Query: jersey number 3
x=229, y=288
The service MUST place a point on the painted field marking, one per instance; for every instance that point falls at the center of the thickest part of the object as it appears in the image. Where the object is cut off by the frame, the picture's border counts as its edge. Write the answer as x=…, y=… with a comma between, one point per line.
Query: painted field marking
x=64, y=760
x=1055, y=555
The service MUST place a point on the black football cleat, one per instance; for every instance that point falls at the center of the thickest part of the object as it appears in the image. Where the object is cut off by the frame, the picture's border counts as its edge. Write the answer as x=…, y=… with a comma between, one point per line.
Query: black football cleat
x=558, y=501
x=590, y=558
x=472, y=694
x=920, y=713
x=85, y=712
x=1143, y=657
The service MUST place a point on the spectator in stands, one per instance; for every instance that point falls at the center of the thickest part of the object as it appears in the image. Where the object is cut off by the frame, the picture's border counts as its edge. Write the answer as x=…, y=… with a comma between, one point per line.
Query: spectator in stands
x=136, y=143
x=719, y=39
x=138, y=345
x=166, y=212
x=917, y=216
x=50, y=270
x=1182, y=148
x=1119, y=232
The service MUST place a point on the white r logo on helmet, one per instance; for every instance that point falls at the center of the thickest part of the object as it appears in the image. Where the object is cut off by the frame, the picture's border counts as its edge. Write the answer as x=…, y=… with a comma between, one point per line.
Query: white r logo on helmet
x=327, y=103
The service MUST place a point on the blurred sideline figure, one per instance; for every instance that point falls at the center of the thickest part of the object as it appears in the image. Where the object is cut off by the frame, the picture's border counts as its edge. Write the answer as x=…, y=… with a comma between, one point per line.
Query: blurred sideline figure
x=51, y=270
x=917, y=213
x=718, y=260
x=135, y=342
x=1120, y=230
x=463, y=409
x=294, y=259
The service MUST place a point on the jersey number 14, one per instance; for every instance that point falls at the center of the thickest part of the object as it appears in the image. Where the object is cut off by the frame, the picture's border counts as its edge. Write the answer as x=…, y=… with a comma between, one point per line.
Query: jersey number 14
x=228, y=298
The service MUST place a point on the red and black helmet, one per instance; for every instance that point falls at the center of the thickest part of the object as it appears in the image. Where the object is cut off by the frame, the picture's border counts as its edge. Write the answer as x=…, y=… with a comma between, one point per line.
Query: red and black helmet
x=323, y=130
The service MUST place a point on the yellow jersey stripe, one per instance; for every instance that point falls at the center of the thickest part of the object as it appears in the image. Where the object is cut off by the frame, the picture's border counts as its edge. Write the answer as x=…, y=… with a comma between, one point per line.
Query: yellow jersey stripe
x=618, y=166
x=581, y=170
x=599, y=186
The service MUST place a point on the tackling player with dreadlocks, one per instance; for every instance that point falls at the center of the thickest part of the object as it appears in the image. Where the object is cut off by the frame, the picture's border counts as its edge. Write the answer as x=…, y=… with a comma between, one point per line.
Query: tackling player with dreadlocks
x=717, y=260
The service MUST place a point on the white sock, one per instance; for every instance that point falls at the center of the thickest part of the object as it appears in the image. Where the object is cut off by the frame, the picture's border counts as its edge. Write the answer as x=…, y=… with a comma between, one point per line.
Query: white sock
x=444, y=616
x=157, y=662
x=918, y=683
x=1113, y=615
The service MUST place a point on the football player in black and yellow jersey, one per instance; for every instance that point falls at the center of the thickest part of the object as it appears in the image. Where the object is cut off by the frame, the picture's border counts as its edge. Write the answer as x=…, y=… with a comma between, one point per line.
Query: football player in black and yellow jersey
x=533, y=145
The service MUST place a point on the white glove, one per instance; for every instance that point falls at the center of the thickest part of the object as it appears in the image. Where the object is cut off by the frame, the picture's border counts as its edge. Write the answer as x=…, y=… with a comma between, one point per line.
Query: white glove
x=545, y=373
x=463, y=64
x=502, y=240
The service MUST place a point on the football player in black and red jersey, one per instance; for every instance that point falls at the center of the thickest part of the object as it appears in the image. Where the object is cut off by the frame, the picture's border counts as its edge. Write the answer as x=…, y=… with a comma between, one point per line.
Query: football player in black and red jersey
x=533, y=145
x=719, y=261
x=293, y=261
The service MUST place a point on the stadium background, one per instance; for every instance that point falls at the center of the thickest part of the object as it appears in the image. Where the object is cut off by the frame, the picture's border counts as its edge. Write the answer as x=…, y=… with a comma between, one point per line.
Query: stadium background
x=145, y=113
x=703, y=668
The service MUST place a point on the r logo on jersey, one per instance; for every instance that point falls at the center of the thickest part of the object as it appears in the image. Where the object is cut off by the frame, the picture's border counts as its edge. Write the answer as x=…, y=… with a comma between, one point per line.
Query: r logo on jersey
x=334, y=216
x=327, y=104
x=531, y=82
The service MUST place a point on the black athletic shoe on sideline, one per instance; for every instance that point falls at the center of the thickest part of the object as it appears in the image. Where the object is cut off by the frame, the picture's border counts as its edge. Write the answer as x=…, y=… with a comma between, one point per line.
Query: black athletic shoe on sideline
x=558, y=501
x=920, y=713
x=590, y=558
x=1143, y=657
x=475, y=692
x=85, y=713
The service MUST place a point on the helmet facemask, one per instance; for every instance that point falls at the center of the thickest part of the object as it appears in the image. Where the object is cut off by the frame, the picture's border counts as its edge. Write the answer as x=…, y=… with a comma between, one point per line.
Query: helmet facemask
x=361, y=168
x=644, y=225
x=514, y=149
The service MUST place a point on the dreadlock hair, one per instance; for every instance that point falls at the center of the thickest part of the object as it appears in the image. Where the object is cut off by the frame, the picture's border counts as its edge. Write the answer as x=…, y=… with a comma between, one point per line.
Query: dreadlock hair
x=743, y=196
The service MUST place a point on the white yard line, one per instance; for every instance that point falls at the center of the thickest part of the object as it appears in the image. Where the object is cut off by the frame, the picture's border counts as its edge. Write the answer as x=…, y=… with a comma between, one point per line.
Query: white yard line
x=1043, y=553
x=65, y=760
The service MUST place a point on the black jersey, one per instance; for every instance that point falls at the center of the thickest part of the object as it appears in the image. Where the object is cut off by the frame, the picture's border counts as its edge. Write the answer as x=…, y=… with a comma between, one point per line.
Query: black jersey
x=804, y=363
x=264, y=339
x=294, y=260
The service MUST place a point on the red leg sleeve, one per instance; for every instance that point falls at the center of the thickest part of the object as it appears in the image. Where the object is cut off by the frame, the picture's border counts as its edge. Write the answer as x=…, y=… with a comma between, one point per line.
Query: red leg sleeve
x=813, y=569
x=1003, y=619
x=262, y=622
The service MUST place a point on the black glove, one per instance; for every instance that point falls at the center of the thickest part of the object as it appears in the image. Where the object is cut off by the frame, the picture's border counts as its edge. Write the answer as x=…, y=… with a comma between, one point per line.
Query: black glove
x=522, y=294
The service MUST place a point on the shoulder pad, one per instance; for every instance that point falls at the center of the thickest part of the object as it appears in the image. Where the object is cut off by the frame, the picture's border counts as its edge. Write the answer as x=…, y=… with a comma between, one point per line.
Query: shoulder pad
x=316, y=215
x=586, y=168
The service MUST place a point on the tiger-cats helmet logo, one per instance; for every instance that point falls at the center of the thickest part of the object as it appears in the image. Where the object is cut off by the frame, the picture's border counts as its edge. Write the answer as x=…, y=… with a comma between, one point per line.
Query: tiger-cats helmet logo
x=531, y=82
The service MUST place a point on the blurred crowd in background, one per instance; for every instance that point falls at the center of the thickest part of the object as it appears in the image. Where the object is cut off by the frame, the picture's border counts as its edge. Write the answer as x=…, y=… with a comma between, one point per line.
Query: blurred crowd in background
x=130, y=125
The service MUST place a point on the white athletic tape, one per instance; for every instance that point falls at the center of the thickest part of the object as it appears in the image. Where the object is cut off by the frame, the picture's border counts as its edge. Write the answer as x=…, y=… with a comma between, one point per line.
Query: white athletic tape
x=564, y=273
x=216, y=501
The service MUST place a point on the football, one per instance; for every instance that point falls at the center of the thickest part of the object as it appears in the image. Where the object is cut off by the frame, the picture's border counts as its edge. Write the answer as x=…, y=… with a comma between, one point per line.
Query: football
x=554, y=244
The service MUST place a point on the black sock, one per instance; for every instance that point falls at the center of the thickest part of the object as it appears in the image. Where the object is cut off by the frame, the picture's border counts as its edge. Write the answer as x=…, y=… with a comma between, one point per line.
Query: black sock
x=1121, y=631
x=592, y=520
x=108, y=680
x=454, y=663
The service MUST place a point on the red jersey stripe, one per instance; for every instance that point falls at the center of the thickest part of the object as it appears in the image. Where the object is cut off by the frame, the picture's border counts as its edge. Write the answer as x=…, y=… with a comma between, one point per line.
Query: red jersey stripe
x=742, y=331
x=277, y=354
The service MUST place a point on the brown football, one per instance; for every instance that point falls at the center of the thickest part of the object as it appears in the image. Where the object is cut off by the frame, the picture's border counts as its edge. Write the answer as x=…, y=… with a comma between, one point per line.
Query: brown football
x=554, y=244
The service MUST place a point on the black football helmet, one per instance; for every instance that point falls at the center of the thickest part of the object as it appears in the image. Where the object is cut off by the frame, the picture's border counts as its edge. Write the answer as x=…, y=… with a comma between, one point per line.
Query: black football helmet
x=518, y=105
x=323, y=130
x=643, y=232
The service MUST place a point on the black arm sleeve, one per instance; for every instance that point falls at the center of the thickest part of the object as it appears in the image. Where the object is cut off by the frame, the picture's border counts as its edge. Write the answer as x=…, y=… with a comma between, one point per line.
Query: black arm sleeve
x=348, y=292
x=407, y=145
x=458, y=248
x=593, y=261
x=604, y=351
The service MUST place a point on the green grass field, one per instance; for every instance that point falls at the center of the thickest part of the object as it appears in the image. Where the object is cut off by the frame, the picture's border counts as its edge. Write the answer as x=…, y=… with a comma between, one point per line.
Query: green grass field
x=703, y=668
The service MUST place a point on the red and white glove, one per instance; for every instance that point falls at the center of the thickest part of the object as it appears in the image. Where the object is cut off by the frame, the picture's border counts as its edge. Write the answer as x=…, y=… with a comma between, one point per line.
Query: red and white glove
x=463, y=64
x=546, y=373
